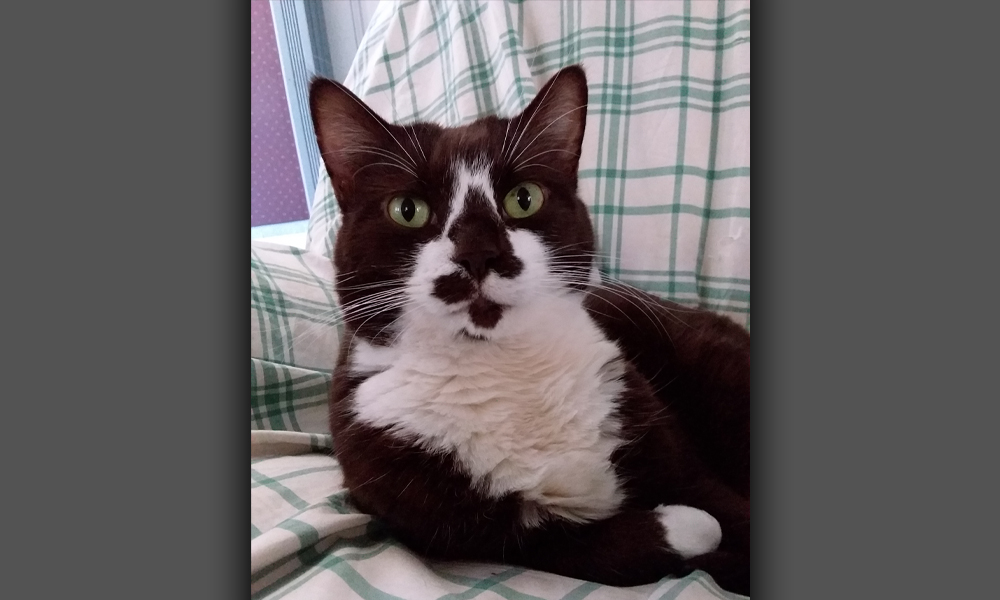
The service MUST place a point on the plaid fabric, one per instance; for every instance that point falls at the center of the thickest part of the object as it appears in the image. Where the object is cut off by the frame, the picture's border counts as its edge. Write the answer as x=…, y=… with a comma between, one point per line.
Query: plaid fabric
x=665, y=173
x=294, y=337
x=666, y=158
x=307, y=541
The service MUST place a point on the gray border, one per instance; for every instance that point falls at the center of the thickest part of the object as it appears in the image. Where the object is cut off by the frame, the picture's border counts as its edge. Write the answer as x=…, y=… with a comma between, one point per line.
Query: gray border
x=875, y=434
x=126, y=213
x=873, y=206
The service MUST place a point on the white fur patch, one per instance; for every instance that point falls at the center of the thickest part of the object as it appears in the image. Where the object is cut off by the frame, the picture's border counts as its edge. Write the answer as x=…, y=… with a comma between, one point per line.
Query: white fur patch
x=367, y=358
x=467, y=177
x=529, y=410
x=689, y=531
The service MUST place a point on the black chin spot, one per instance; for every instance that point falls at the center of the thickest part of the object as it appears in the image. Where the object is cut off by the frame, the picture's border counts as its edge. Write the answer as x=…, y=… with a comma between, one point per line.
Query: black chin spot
x=484, y=313
x=453, y=288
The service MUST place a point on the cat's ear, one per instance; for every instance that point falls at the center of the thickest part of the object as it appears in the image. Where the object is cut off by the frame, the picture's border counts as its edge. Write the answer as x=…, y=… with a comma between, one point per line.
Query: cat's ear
x=347, y=132
x=555, y=122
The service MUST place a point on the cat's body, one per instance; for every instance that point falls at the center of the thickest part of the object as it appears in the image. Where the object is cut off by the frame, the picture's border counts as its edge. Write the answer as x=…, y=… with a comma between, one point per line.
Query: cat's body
x=493, y=399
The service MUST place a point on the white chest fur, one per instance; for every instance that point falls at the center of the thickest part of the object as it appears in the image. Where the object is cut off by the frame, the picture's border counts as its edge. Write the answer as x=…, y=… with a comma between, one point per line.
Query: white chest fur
x=529, y=413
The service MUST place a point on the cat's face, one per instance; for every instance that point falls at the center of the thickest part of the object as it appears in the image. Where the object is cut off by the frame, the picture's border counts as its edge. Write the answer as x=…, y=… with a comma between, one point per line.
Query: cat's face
x=455, y=226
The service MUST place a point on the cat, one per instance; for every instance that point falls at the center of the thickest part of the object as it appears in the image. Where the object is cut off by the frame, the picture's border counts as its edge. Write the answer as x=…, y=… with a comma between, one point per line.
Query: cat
x=493, y=398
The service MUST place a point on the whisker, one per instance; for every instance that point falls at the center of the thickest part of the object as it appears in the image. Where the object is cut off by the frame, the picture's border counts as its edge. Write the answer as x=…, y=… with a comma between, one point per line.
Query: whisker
x=412, y=136
x=536, y=165
x=517, y=128
x=534, y=156
x=546, y=127
x=376, y=151
x=386, y=164
x=382, y=124
x=394, y=158
x=541, y=103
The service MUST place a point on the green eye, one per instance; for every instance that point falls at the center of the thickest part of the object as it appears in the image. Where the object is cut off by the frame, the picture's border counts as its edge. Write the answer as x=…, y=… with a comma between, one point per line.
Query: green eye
x=523, y=201
x=409, y=211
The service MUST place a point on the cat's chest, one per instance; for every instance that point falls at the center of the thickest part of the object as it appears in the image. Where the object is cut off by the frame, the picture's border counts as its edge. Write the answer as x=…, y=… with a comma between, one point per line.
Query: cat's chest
x=533, y=414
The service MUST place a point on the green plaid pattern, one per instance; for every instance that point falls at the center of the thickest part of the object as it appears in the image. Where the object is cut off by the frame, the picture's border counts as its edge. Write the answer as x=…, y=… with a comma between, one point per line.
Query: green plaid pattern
x=666, y=158
x=294, y=337
x=307, y=541
x=665, y=173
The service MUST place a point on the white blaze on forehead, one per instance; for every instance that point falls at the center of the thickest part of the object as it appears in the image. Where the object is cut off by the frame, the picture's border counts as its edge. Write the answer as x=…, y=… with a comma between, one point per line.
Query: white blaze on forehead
x=467, y=177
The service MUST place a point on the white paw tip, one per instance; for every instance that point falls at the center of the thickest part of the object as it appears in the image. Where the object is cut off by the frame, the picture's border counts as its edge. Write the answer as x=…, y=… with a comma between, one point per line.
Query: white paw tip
x=689, y=531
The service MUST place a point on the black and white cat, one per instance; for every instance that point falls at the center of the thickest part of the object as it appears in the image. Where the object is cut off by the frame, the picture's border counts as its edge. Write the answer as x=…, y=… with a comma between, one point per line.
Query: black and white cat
x=493, y=398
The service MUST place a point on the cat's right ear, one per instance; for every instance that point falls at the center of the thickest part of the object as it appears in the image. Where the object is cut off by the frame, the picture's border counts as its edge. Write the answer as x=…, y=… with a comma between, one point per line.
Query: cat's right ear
x=346, y=131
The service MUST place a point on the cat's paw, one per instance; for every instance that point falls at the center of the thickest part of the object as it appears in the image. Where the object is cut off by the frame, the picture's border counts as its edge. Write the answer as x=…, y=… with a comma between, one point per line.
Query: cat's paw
x=689, y=531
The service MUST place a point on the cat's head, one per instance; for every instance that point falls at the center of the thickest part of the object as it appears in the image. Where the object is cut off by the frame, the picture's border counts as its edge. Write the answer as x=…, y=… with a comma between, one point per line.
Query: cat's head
x=455, y=226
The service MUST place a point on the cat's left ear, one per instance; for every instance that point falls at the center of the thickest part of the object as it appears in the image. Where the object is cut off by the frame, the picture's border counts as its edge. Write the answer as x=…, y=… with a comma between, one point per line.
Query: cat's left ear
x=555, y=121
x=348, y=133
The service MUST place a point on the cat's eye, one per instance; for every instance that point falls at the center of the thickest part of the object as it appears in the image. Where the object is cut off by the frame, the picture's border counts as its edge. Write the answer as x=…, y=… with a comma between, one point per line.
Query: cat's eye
x=409, y=211
x=523, y=201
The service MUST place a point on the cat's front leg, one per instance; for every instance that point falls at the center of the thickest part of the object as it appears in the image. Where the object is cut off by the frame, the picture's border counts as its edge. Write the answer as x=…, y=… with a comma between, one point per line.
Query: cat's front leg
x=632, y=547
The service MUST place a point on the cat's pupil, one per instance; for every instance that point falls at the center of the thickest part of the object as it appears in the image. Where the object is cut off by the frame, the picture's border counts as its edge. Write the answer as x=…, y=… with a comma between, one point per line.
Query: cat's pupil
x=523, y=198
x=407, y=209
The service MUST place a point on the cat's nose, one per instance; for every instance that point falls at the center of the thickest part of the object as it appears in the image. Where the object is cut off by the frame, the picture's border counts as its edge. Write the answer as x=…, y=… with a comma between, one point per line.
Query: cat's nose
x=478, y=262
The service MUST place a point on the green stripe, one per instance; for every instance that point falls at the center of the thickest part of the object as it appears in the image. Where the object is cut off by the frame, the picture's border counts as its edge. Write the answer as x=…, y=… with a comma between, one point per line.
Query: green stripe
x=267, y=292
x=614, y=132
x=618, y=111
x=307, y=534
x=286, y=494
x=321, y=371
x=604, y=86
x=298, y=473
x=409, y=68
x=681, y=135
x=470, y=80
x=477, y=587
x=679, y=586
x=338, y=564
x=708, y=584
x=712, y=152
x=581, y=591
x=443, y=44
x=497, y=588
x=657, y=29
x=314, y=559
x=547, y=61
x=692, y=274
x=275, y=400
x=673, y=287
x=610, y=172
x=257, y=419
x=627, y=103
x=715, y=96
x=667, y=209
x=472, y=51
